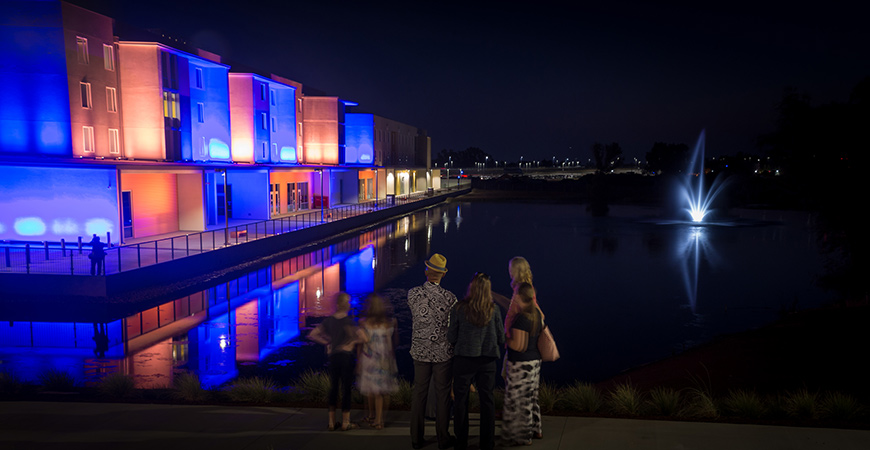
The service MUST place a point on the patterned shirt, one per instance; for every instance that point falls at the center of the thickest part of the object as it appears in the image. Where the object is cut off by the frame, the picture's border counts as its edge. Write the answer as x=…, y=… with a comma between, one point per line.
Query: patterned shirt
x=430, y=310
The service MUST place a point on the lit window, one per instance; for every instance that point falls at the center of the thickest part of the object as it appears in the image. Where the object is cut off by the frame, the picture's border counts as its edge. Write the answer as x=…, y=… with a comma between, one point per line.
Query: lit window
x=109, y=57
x=272, y=98
x=171, y=108
x=88, y=139
x=114, y=141
x=200, y=107
x=199, y=78
x=274, y=124
x=86, y=95
x=82, y=49
x=265, y=149
x=300, y=105
x=265, y=121
x=263, y=92
x=111, y=99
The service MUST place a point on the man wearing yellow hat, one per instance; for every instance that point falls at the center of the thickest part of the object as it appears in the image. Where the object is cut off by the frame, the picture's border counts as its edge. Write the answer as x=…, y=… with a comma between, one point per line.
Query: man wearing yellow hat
x=433, y=356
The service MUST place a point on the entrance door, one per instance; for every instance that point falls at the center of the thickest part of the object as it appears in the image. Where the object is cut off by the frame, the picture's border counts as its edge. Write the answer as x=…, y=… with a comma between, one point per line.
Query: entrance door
x=291, y=197
x=127, y=213
x=302, y=194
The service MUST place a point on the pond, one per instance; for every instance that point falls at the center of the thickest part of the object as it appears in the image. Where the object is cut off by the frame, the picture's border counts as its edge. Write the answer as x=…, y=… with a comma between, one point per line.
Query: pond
x=617, y=291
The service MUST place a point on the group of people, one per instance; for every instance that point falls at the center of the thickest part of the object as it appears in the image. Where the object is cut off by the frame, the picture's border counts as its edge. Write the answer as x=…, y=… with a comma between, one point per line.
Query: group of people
x=455, y=344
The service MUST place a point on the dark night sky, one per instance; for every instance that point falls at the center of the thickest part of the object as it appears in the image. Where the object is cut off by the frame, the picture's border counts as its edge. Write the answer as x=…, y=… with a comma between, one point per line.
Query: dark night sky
x=541, y=79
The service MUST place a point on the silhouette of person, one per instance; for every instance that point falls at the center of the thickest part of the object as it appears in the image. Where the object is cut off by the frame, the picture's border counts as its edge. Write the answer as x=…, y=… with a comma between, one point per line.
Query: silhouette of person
x=101, y=340
x=97, y=256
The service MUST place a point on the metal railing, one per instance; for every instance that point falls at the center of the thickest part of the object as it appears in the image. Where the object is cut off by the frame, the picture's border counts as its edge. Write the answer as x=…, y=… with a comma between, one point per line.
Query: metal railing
x=59, y=258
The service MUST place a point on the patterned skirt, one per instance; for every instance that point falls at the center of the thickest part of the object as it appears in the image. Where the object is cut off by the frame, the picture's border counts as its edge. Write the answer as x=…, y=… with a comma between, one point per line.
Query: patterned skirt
x=521, y=417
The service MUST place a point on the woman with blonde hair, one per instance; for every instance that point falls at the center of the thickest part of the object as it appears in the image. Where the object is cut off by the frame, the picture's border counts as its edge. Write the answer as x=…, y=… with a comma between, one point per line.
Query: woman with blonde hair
x=477, y=334
x=520, y=273
x=521, y=417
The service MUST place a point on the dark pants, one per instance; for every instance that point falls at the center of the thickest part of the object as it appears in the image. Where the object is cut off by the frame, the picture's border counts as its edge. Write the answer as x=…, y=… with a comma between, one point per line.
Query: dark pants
x=480, y=370
x=341, y=365
x=440, y=375
x=98, y=265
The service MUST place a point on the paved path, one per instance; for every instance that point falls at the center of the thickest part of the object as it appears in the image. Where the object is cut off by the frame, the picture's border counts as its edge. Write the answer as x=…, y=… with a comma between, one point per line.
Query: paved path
x=48, y=425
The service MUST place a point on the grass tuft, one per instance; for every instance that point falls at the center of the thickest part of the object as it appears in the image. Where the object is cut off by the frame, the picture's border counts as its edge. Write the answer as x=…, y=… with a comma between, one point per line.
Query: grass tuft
x=117, y=385
x=582, y=397
x=664, y=401
x=838, y=406
x=700, y=405
x=10, y=384
x=57, y=380
x=314, y=385
x=547, y=396
x=403, y=396
x=744, y=404
x=625, y=399
x=189, y=388
x=255, y=390
x=801, y=404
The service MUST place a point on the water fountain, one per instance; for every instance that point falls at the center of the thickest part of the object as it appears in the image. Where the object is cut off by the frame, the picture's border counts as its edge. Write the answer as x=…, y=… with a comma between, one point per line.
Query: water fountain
x=699, y=200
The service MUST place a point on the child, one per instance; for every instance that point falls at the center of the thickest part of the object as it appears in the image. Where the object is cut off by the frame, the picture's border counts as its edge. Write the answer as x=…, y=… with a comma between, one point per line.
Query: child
x=340, y=335
x=377, y=359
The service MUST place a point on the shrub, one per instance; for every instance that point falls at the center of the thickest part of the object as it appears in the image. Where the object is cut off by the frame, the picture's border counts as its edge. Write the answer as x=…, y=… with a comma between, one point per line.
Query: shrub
x=56, y=380
x=625, y=399
x=189, y=388
x=582, y=397
x=801, y=404
x=255, y=389
x=314, y=385
x=117, y=385
x=664, y=401
x=547, y=396
x=838, y=406
x=744, y=404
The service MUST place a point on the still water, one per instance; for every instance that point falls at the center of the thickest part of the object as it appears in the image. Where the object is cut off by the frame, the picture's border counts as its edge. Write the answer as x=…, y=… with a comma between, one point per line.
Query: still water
x=617, y=292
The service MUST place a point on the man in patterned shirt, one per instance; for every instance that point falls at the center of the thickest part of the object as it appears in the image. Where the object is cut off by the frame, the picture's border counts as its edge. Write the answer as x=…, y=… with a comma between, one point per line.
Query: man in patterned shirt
x=433, y=356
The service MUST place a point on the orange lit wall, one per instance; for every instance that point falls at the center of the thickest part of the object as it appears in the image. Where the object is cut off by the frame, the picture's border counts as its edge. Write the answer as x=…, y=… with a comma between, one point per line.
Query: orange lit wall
x=155, y=202
x=292, y=177
x=141, y=101
x=247, y=332
x=152, y=367
x=242, y=116
x=327, y=283
x=320, y=130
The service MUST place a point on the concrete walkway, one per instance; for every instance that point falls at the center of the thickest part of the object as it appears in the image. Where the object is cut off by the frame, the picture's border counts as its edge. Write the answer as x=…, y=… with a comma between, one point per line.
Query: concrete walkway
x=49, y=425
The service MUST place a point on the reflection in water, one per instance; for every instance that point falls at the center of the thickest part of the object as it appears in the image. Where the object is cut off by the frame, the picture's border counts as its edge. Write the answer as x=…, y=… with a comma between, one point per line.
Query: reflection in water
x=214, y=331
x=690, y=252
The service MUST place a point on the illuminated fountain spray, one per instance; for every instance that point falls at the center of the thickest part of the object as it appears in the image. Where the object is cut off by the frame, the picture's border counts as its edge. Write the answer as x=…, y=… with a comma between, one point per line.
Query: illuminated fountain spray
x=698, y=199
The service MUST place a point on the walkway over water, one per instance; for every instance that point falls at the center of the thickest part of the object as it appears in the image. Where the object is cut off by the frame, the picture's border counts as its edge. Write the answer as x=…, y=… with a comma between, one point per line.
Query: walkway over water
x=72, y=259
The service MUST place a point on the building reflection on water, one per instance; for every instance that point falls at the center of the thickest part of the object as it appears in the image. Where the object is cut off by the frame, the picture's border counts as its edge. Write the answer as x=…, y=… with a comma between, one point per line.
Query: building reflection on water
x=213, y=331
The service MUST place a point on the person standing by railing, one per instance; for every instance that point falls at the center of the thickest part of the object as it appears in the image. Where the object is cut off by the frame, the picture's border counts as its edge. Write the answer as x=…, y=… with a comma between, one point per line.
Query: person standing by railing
x=97, y=256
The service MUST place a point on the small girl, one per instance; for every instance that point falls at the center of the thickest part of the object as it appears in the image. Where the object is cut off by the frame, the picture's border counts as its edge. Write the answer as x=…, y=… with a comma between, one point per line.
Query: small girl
x=377, y=359
x=340, y=335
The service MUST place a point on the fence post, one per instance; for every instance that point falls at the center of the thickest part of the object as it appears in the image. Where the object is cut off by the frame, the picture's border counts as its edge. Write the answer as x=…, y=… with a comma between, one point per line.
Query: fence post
x=80, y=245
x=156, y=256
x=139, y=254
x=27, y=256
x=45, y=244
x=63, y=248
x=72, y=270
x=172, y=248
x=8, y=259
x=187, y=243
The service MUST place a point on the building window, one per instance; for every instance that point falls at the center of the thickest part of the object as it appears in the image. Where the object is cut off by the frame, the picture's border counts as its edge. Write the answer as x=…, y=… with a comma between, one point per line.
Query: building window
x=265, y=121
x=82, y=49
x=263, y=92
x=86, y=95
x=200, y=108
x=109, y=57
x=265, y=150
x=272, y=98
x=171, y=108
x=274, y=124
x=199, y=78
x=300, y=105
x=88, y=139
x=111, y=99
x=114, y=141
